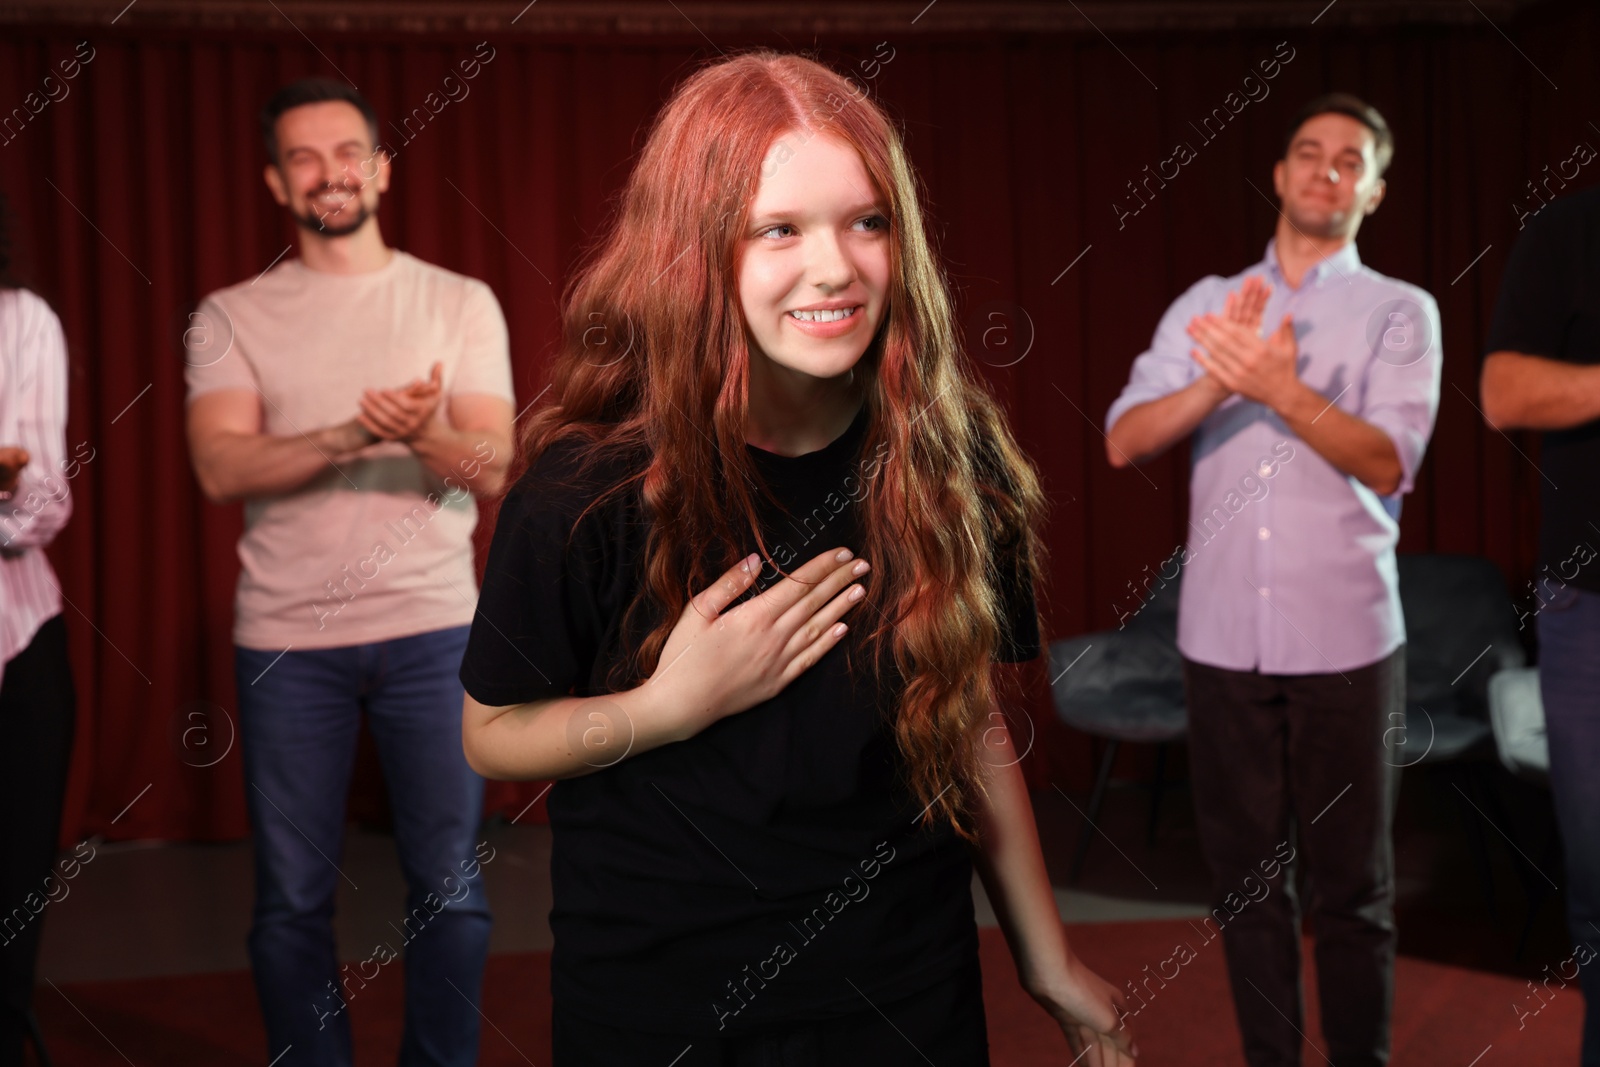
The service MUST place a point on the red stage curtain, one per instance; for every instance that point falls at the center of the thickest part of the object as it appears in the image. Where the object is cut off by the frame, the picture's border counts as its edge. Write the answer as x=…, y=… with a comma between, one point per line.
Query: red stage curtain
x=138, y=189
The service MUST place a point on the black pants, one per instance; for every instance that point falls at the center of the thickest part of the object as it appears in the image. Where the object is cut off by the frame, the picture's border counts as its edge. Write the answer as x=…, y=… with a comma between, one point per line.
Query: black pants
x=1292, y=769
x=37, y=706
x=944, y=1025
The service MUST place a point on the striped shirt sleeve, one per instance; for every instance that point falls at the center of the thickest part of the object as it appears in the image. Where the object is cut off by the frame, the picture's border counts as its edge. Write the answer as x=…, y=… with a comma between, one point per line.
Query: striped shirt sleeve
x=36, y=395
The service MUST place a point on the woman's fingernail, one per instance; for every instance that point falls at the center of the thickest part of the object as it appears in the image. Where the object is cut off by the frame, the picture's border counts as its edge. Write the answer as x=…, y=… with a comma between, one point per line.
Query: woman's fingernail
x=844, y=554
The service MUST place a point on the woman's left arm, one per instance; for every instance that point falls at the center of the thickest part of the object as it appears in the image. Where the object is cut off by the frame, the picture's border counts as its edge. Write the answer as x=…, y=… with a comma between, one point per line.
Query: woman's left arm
x=1011, y=865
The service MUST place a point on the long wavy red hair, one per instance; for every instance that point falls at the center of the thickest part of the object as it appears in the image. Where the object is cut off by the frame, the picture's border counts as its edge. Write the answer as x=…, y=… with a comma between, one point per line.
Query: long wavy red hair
x=654, y=358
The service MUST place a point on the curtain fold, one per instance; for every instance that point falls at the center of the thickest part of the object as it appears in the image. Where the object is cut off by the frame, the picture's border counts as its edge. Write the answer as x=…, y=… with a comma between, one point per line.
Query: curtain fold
x=136, y=189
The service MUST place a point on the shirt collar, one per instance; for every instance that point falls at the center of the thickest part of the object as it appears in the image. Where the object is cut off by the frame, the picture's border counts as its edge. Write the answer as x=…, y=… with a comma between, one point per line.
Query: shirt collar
x=1342, y=263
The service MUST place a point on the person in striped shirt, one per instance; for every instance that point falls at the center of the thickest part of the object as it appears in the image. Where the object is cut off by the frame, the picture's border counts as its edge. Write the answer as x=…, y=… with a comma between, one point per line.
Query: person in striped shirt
x=37, y=700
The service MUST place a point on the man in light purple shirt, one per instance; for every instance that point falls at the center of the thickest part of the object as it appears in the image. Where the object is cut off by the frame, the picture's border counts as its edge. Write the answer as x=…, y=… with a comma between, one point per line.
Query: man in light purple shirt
x=1305, y=436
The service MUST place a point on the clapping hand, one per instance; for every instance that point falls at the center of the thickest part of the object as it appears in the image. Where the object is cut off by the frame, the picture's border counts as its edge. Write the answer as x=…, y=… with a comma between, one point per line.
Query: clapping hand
x=1246, y=304
x=12, y=460
x=1236, y=355
x=402, y=414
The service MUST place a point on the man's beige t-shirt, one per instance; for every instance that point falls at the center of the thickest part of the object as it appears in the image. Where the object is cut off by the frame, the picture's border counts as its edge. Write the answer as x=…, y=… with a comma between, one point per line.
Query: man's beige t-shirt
x=380, y=546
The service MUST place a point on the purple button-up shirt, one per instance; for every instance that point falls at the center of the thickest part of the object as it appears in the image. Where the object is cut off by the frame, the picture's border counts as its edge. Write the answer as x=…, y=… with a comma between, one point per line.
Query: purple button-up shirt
x=1290, y=564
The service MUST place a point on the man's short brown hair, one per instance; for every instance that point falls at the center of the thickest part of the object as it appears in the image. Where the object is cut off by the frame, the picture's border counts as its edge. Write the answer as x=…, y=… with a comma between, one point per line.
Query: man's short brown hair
x=1354, y=107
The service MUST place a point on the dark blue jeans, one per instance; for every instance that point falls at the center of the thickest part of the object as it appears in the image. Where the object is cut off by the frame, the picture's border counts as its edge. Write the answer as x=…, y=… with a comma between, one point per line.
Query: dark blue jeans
x=1569, y=683
x=299, y=721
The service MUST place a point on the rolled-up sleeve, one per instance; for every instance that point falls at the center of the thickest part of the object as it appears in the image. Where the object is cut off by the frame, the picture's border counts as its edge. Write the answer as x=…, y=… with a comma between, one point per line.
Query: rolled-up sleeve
x=1166, y=366
x=1401, y=396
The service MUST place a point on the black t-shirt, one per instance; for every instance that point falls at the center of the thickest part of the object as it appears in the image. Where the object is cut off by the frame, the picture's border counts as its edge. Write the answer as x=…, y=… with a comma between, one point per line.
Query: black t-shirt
x=740, y=877
x=1550, y=306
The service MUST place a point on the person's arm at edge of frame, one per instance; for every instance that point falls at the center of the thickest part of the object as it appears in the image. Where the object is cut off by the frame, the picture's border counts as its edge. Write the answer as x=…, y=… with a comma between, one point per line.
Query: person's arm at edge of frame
x=1524, y=391
x=1010, y=862
x=1522, y=385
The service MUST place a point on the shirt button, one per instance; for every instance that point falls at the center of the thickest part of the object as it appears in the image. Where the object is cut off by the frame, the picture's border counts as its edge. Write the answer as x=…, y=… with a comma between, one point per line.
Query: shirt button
x=1265, y=591
x=1263, y=533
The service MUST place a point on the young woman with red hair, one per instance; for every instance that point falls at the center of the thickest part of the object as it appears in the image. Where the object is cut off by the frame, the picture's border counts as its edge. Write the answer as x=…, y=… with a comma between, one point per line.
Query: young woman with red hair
x=765, y=820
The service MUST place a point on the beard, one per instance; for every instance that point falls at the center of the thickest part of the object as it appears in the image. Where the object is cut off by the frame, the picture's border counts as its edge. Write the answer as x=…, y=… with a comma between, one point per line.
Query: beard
x=314, y=223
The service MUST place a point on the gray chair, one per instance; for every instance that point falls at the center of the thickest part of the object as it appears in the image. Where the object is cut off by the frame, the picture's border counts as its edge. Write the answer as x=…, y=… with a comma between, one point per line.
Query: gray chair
x=1123, y=685
x=1127, y=684
x=1461, y=630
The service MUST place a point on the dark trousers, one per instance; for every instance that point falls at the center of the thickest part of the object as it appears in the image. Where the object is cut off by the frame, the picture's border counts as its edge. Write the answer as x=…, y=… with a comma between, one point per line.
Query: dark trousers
x=943, y=1025
x=37, y=709
x=1291, y=769
x=1569, y=682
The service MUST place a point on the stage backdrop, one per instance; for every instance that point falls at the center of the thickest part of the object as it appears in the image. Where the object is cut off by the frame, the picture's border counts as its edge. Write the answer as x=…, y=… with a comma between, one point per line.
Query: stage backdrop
x=131, y=156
